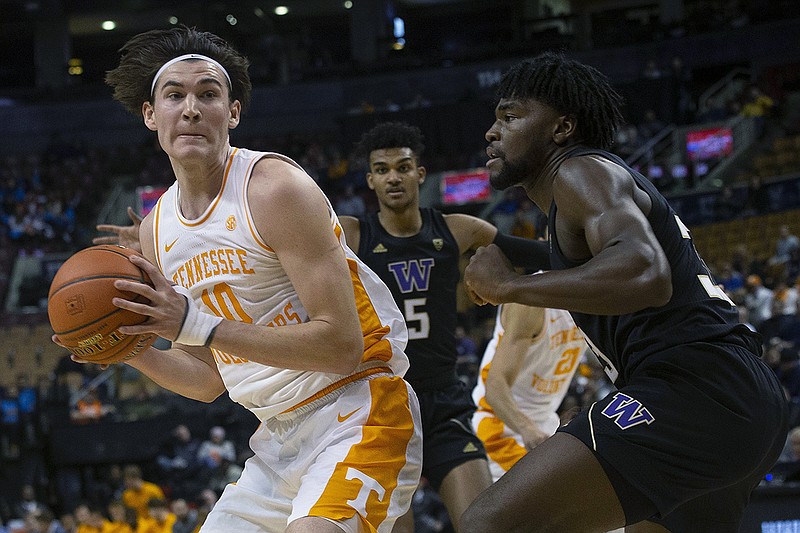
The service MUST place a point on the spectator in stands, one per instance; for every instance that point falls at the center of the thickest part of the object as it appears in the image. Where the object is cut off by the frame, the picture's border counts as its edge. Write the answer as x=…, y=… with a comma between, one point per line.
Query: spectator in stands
x=350, y=203
x=178, y=463
x=205, y=502
x=27, y=502
x=121, y=519
x=216, y=448
x=787, y=245
x=90, y=519
x=138, y=491
x=160, y=519
x=44, y=521
x=758, y=300
x=780, y=325
x=788, y=296
x=732, y=280
x=68, y=522
x=758, y=105
x=109, y=485
x=185, y=516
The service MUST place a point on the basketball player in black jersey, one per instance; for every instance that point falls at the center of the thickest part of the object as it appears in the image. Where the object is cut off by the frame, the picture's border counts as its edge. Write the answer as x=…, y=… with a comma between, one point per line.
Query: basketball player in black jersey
x=416, y=252
x=697, y=418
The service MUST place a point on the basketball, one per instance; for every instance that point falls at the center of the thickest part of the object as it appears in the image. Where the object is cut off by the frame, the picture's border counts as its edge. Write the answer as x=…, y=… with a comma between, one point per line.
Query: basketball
x=80, y=310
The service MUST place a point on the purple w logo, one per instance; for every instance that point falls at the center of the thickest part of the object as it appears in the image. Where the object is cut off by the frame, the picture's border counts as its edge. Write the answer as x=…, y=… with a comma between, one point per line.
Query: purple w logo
x=412, y=275
x=627, y=412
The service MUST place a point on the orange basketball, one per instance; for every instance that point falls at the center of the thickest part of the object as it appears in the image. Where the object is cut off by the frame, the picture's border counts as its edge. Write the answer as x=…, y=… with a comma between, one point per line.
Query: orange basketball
x=80, y=309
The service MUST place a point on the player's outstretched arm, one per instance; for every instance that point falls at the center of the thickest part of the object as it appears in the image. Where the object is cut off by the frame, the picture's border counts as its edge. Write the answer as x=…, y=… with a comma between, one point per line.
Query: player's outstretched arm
x=521, y=326
x=471, y=233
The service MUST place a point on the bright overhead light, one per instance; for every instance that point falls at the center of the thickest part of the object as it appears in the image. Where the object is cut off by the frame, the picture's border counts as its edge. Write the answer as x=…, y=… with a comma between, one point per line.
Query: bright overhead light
x=108, y=25
x=281, y=10
x=231, y=20
x=348, y=4
x=173, y=20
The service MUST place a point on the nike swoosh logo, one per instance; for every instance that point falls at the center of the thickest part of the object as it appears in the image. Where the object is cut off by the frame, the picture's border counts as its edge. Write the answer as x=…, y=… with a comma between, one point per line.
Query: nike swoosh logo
x=348, y=415
x=169, y=246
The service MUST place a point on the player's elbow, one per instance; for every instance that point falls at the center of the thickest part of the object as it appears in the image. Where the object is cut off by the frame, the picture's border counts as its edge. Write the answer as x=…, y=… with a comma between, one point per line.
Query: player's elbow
x=656, y=281
x=208, y=392
x=662, y=291
x=494, y=384
x=347, y=350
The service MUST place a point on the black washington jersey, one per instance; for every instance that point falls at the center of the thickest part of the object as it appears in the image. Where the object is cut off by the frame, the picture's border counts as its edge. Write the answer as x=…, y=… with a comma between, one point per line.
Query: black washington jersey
x=699, y=311
x=422, y=273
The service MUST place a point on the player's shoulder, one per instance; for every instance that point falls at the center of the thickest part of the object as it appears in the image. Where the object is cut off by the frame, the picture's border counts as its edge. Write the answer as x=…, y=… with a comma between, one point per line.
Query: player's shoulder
x=278, y=179
x=591, y=176
x=575, y=168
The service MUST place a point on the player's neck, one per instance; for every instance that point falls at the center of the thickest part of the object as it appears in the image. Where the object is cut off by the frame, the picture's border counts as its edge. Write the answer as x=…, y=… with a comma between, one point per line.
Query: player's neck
x=406, y=223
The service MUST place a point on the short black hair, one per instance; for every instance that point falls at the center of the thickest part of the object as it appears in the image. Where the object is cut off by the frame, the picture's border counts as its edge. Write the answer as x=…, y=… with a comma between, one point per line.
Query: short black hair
x=391, y=135
x=145, y=53
x=571, y=88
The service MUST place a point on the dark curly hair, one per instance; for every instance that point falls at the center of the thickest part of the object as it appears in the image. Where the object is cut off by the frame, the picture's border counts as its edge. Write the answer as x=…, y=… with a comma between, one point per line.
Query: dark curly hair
x=391, y=135
x=144, y=54
x=571, y=88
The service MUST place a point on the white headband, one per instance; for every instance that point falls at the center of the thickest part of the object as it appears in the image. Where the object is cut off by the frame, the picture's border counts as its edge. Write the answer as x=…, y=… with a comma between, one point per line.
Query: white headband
x=184, y=58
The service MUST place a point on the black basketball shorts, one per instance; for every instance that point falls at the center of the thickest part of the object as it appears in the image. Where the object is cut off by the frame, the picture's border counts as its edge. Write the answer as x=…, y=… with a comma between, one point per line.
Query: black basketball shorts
x=689, y=436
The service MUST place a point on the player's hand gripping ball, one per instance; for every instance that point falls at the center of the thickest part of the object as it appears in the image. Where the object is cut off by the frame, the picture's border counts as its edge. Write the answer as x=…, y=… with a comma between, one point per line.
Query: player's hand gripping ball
x=80, y=309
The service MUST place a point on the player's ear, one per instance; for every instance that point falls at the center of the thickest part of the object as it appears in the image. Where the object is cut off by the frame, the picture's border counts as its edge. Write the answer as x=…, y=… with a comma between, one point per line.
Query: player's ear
x=566, y=127
x=236, y=114
x=421, y=172
x=370, y=183
x=148, y=114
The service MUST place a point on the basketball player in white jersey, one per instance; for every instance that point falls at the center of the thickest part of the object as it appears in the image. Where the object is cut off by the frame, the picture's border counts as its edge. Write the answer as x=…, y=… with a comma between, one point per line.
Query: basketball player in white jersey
x=524, y=375
x=253, y=283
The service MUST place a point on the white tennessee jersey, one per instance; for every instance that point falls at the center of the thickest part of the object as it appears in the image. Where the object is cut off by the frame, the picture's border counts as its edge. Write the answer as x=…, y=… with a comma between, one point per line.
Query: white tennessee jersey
x=546, y=372
x=232, y=272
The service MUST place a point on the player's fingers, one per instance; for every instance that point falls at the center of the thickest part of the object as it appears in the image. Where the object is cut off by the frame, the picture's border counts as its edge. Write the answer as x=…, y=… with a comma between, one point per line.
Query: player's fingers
x=158, y=279
x=107, y=239
x=136, y=287
x=136, y=307
x=136, y=329
x=108, y=227
x=474, y=296
x=134, y=216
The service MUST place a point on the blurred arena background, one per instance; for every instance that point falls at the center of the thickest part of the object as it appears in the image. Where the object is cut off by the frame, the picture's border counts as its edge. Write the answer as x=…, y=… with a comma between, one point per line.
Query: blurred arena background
x=712, y=92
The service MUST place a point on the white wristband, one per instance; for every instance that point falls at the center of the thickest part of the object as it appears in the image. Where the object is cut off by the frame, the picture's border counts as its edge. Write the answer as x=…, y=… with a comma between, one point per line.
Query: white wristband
x=197, y=327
